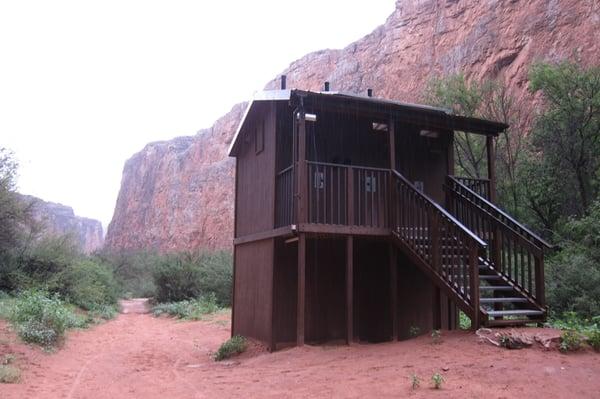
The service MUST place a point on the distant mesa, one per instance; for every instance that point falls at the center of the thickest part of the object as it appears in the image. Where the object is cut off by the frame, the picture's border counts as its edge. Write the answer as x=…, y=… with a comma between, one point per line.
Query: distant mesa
x=59, y=220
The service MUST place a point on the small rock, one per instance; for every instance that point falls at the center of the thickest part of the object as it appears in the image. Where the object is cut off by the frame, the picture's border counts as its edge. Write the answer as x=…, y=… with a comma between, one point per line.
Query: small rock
x=445, y=368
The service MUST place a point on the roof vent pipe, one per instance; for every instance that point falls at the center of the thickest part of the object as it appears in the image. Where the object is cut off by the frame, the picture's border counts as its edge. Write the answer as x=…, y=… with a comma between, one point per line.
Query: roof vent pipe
x=326, y=86
x=370, y=92
x=283, y=82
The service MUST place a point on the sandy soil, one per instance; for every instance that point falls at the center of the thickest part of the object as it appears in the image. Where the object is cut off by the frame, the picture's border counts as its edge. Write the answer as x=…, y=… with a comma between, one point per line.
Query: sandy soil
x=139, y=356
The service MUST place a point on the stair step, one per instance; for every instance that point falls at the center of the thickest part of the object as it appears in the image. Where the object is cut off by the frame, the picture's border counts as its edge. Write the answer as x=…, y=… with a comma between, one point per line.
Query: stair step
x=489, y=277
x=500, y=300
x=496, y=288
x=518, y=312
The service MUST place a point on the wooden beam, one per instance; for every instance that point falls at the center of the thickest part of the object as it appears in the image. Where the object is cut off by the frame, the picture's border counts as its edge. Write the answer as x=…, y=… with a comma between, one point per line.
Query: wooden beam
x=394, y=291
x=301, y=290
x=343, y=230
x=302, y=170
x=263, y=235
x=491, y=161
x=349, y=289
x=392, y=131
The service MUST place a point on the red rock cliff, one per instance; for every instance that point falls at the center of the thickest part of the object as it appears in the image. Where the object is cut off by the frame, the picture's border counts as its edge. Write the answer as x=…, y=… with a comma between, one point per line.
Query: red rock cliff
x=178, y=194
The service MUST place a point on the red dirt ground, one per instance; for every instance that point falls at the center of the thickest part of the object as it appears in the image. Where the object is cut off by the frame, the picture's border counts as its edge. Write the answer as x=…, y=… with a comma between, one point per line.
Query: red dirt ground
x=139, y=356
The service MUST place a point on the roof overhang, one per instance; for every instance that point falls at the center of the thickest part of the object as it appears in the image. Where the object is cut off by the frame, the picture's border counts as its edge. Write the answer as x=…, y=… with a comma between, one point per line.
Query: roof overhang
x=427, y=116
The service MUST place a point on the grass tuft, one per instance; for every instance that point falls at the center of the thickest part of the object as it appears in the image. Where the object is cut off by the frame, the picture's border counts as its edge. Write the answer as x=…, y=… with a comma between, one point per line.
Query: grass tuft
x=193, y=309
x=233, y=346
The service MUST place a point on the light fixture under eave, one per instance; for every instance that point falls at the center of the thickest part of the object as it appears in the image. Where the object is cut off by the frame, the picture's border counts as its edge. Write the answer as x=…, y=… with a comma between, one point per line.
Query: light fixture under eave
x=380, y=127
x=308, y=117
x=430, y=133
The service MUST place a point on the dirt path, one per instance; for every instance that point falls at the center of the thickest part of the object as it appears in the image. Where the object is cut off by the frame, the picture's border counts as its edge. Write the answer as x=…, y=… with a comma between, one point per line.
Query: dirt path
x=139, y=356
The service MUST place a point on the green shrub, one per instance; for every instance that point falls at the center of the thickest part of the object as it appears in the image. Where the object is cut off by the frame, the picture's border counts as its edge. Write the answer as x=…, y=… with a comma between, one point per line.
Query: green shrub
x=437, y=380
x=186, y=276
x=133, y=271
x=192, y=309
x=89, y=284
x=570, y=341
x=464, y=321
x=593, y=339
x=415, y=381
x=42, y=318
x=233, y=346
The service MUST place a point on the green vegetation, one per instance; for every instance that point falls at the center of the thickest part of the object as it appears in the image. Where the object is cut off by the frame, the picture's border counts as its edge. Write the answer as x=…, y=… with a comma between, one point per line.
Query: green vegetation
x=233, y=346
x=548, y=168
x=190, y=275
x=192, y=309
x=414, y=331
x=570, y=341
x=436, y=336
x=41, y=318
x=464, y=320
x=437, y=380
x=9, y=373
x=415, y=381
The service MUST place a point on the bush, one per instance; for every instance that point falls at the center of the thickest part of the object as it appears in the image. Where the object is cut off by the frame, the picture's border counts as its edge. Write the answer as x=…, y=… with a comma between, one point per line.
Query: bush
x=41, y=318
x=187, y=276
x=89, y=285
x=593, y=339
x=190, y=309
x=570, y=341
x=133, y=271
x=233, y=346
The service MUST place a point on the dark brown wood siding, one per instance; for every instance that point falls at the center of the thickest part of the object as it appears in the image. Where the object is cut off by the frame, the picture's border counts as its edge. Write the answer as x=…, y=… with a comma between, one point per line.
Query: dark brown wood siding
x=255, y=176
x=423, y=159
x=325, y=289
x=253, y=290
x=285, y=299
x=372, y=290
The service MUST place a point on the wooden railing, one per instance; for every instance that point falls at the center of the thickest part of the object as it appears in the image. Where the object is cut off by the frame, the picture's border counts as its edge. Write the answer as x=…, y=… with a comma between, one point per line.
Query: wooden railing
x=450, y=250
x=347, y=195
x=284, y=195
x=514, y=251
x=480, y=186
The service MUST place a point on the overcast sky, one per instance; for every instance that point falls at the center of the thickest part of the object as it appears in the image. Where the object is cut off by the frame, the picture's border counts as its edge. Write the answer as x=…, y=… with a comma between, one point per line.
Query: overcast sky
x=85, y=84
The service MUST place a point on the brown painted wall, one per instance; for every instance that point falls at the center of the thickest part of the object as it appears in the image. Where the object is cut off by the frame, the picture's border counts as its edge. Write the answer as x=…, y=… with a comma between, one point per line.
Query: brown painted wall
x=285, y=288
x=423, y=159
x=253, y=290
x=255, y=177
x=325, y=289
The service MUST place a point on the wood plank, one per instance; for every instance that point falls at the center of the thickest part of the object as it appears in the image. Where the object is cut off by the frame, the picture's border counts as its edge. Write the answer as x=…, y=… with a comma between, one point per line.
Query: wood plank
x=394, y=291
x=343, y=230
x=302, y=170
x=349, y=290
x=491, y=160
x=263, y=235
x=301, y=311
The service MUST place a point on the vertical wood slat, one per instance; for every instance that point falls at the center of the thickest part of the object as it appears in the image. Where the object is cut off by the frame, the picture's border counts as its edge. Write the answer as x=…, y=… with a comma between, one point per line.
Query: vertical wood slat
x=394, y=292
x=301, y=310
x=350, y=196
x=349, y=289
x=474, y=277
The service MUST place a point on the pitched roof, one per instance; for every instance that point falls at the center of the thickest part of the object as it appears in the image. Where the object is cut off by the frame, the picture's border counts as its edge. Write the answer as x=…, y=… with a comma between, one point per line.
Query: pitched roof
x=425, y=115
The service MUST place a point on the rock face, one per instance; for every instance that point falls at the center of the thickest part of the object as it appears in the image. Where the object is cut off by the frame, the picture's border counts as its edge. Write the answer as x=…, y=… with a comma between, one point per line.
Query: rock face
x=58, y=220
x=178, y=195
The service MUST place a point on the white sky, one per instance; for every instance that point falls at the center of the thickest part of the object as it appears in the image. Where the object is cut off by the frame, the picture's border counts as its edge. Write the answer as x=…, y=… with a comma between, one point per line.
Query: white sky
x=85, y=84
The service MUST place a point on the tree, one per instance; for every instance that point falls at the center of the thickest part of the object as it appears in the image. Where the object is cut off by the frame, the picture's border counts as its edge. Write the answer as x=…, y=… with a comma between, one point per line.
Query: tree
x=489, y=100
x=11, y=210
x=567, y=133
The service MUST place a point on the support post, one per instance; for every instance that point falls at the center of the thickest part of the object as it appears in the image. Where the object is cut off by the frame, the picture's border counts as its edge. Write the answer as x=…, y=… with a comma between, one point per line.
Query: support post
x=540, y=290
x=491, y=162
x=302, y=169
x=394, y=292
x=301, y=289
x=437, y=308
x=392, y=144
x=474, y=288
x=349, y=290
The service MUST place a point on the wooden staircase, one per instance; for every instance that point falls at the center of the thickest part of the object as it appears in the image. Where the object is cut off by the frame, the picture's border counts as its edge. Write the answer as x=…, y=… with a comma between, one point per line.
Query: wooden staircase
x=489, y=264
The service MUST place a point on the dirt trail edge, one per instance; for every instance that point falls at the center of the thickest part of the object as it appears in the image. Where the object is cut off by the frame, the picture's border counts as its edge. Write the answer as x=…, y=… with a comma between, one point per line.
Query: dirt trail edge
x=140, y=356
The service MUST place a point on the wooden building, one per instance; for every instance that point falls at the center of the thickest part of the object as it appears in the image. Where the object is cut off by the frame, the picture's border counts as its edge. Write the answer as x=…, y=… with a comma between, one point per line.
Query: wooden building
x=351, y=226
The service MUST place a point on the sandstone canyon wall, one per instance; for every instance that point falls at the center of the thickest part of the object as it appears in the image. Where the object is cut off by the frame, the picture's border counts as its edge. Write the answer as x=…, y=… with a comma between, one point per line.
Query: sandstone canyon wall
x=58, y=220
x=178, y=195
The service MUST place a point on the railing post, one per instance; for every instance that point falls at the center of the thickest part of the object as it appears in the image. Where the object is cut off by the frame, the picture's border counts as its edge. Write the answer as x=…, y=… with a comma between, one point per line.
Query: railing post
x=435, y=243
x=474, y=286
x=350, y=195
x=540, y=294
x=302, y=174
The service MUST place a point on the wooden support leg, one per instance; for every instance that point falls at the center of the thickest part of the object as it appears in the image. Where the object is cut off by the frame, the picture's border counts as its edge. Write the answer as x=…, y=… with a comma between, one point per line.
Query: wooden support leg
x=437, y=308
x=301, y=290
x=394, y=292
x=349, y=290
